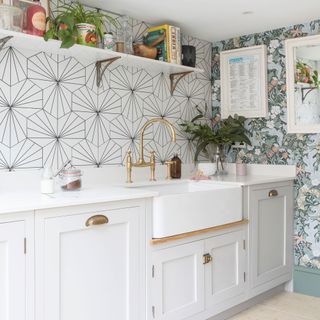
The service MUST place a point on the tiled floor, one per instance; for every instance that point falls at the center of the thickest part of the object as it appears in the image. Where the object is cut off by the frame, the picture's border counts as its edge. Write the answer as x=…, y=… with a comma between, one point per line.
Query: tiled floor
x=285, y=306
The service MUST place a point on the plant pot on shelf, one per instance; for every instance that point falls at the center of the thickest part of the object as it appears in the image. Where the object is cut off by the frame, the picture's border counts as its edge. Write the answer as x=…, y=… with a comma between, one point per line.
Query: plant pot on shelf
x=87, y=34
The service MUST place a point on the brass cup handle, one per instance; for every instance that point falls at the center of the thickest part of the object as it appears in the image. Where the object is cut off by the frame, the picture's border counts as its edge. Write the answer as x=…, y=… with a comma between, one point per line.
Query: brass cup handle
x=273, y=193
x=97, y=220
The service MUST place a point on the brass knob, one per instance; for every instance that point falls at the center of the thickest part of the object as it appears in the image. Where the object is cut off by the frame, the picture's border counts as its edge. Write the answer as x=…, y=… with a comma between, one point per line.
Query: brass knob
x=273, y=193
x=97, y=220
x=207, y=258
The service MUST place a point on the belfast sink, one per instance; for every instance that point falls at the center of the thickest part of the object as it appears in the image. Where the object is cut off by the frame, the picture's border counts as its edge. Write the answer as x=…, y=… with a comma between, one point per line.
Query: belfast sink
x=188, y=206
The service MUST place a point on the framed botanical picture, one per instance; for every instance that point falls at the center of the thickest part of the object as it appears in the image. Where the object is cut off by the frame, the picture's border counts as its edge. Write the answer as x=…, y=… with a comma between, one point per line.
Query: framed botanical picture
x=244, y=82
x=303, y=84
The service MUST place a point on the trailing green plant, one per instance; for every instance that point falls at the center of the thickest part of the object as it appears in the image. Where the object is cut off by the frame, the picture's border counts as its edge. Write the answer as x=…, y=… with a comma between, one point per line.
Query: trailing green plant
x=305, y=74
x=204, y=132
x=63, y=25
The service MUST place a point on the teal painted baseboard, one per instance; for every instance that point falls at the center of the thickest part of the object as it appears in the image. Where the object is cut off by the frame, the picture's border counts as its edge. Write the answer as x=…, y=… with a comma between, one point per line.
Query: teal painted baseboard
x=306, y=281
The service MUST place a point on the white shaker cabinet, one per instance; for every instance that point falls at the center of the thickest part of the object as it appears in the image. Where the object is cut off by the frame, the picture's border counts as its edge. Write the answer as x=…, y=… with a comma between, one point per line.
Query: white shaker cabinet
x=270, y=235
x=203, y=275
x=89, y=265
x=225, y=274
x=16, y=277
x=178, y=281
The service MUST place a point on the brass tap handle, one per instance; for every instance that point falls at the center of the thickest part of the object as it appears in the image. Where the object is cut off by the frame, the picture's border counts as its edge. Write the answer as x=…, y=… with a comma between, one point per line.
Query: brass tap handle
x=169, y=164
x=97, y=220
x=153, y=165
x=129, y=166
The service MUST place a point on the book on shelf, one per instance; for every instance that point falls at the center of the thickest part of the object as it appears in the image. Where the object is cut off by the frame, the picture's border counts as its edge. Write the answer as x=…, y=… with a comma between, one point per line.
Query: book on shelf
x=168, y=50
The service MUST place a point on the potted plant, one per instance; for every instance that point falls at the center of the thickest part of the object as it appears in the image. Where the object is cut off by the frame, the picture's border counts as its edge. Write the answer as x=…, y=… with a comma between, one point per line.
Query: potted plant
x=212, y=136
x=74, y=24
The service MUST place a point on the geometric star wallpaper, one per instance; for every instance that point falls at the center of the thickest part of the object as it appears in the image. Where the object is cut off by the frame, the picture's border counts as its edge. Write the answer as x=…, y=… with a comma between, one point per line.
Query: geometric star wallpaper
x=51, y=109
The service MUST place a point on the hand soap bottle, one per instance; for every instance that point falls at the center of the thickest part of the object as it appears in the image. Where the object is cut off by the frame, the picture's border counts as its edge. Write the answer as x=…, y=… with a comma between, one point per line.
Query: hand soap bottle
x=176, y=167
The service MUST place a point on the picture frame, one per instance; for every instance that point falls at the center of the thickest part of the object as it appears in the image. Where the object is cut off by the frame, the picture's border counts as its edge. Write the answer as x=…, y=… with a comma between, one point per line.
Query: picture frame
x=303, y=95
x=244, y=84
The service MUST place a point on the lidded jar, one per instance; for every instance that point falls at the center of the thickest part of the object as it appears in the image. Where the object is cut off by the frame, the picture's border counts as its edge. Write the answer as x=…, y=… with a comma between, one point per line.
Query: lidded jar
x=11, y=18
x=70, y=179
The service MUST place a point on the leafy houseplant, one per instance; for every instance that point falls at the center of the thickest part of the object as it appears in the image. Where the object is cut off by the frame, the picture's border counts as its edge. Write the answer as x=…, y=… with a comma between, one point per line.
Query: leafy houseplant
x=207, y=133
x=70, y=18
x=305, y=74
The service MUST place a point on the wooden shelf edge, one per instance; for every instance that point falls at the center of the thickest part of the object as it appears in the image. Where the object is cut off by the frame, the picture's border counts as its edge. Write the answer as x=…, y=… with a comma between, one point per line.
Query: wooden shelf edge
x=156, y=241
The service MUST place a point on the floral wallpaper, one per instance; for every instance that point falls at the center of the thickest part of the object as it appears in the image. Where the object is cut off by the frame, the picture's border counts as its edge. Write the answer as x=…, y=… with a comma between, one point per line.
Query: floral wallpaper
x=271, y=144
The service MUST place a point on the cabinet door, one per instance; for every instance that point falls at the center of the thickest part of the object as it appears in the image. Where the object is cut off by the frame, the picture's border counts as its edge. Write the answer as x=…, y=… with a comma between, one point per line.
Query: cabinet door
x=90, y=271
x=178, y=282
x=271, y=223
x=225, y=273
x=12, y=271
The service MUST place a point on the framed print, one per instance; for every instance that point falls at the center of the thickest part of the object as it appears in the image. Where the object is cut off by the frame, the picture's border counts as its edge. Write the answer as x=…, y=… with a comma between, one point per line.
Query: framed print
x=303, y=84
x=244, y=82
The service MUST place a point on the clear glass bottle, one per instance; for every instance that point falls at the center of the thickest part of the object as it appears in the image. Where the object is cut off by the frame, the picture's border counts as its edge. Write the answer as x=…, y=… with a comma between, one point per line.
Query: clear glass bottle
x=127, y=36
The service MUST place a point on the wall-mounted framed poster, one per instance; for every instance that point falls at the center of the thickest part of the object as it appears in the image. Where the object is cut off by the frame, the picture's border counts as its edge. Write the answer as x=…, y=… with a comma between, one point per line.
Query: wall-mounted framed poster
x=244, y=82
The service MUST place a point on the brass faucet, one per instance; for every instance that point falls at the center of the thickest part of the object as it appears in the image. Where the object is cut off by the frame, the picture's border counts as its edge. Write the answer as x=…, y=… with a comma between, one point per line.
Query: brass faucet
x=141, y=163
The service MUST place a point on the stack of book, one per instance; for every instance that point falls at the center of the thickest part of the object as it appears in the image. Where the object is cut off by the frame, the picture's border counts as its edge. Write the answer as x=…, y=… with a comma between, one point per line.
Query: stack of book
x=169, y=50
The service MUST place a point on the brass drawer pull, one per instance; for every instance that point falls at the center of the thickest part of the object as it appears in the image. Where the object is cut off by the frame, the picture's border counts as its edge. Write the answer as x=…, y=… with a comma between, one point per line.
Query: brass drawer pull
x=207, y=258
x=96, y=220
x=273, y=193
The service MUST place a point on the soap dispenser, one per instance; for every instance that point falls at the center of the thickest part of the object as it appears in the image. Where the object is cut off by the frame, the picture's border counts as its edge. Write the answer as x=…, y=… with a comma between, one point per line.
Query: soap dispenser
x=176, y=167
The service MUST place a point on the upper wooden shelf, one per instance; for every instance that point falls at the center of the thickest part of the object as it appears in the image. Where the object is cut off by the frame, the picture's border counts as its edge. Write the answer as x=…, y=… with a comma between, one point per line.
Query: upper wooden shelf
x=24, y=41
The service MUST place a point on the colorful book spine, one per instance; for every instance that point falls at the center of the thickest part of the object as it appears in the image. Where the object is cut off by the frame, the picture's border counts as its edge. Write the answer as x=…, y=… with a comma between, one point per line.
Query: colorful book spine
x=179, y=60
x=162, y=48
x=173, y=44
x=170, y=49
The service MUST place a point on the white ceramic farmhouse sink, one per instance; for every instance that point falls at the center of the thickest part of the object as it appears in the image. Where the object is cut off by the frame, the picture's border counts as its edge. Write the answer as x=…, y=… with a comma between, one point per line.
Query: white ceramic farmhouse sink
x=193, y=205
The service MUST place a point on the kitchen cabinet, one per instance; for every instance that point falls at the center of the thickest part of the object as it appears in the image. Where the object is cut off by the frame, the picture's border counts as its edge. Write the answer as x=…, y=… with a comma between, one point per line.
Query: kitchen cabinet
x=192, y=277
x=225, y=274
x=270, y=235
x=178, y=282
x=90, y=265
x=15, y=271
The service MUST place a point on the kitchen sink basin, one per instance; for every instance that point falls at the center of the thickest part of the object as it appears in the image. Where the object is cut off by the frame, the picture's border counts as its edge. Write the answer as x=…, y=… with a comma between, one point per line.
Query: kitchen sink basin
x=188, y=206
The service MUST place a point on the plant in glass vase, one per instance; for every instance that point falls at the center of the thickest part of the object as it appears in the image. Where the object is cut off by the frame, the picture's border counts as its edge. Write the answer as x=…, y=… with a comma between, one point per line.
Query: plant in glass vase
x=214, y=137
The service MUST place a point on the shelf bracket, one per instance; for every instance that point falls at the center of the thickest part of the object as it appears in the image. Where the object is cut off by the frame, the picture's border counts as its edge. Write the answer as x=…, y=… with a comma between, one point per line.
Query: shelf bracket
x=4, y=40
x=175, y=79
x=101, y=69
x=306, y=91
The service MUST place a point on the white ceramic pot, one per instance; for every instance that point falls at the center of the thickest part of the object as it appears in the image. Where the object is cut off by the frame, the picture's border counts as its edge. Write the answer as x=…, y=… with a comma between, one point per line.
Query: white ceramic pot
x=241, y=169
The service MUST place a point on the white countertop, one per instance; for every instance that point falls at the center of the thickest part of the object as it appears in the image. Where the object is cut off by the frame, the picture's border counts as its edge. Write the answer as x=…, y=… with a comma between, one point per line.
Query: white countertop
x=11, y=202
x=250, y=179
x=21, y=191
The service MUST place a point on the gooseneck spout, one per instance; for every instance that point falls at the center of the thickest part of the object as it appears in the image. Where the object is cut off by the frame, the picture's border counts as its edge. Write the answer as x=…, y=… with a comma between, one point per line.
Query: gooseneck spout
x=141, y=162
x=142, y=131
